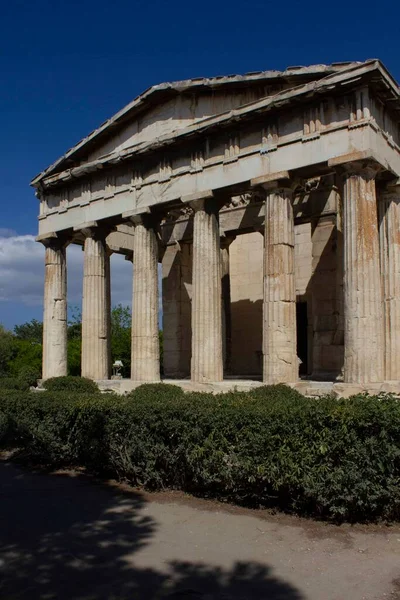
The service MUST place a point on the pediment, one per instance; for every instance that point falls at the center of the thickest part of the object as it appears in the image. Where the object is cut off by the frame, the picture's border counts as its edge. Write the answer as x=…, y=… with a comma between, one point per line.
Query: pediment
x=170, y=107
x=178, y=113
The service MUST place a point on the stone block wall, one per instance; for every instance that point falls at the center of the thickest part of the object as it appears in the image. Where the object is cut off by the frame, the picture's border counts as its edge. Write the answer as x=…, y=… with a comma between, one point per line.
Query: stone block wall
x=325, y=293
x=318, y=283
x=177, y=295
x=246, y=275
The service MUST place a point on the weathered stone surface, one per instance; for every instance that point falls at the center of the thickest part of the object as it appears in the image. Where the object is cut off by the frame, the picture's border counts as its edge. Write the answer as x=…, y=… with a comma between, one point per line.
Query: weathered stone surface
x=246, y=282
x=55, y=311
x=279, y=313
x=325, y=296
x=363, y=307
x=222, y=146
x=145, y=364
x=226, y=304
x=177, y=296
x=96, y=306
x=206, y=365
x=389, y=209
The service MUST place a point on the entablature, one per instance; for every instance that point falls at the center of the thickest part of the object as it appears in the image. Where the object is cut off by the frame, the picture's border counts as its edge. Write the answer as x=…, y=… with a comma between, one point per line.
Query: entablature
x=333, y=117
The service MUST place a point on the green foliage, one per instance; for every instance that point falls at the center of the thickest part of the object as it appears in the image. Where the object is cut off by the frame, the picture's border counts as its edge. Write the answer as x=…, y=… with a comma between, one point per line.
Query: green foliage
x=28, y=355
x=13, y=383
x=29, y=375
x=74, y=347
x=31, y=331
x=23, y=348
x=74, y=343
x=121, y=337
x=8, y=350
x=74, y=330
x=337, y=459
x=71, y=384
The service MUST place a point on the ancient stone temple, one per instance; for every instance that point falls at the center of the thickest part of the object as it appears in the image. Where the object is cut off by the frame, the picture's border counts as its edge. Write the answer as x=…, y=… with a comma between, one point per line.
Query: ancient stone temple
x=272, y=201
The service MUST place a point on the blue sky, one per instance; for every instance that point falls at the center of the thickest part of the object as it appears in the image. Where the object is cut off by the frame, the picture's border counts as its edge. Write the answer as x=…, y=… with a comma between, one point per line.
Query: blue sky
x=67, y=66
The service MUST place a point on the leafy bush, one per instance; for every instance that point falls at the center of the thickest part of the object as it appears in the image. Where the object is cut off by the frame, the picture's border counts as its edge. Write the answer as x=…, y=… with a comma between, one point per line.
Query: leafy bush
x=4, y=427
x=29, y=375
x=71, y=383
x=28, y=357
x=336, y=459
x=13, y=383
x=156, y=391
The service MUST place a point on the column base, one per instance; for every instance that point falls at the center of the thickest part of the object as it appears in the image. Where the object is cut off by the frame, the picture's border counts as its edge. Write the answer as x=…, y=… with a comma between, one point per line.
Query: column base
x=310, y=389
x=345, y=390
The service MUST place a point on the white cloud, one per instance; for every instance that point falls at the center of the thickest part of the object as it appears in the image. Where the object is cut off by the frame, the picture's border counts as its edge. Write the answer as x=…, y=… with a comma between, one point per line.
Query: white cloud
x=22, y=272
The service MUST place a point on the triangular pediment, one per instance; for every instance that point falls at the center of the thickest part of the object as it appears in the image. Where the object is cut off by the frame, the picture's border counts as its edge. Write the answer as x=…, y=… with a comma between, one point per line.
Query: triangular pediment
x=170, y=107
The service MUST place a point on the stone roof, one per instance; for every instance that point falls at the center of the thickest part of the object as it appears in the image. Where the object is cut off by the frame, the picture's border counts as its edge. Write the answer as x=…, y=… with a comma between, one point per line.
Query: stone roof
x=293, y=76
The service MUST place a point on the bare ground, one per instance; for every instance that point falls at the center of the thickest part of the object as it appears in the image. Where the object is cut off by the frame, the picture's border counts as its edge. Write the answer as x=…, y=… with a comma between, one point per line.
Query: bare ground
x=64, y=535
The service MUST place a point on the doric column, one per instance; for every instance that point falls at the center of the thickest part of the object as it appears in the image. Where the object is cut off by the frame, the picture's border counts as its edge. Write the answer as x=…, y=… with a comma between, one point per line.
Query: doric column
x=206, y=365
x=279, y=309
x=145, y=365
x=389, y=209
x=226, y=303
x=363, y=352
x=55, y=310
x=96, y=305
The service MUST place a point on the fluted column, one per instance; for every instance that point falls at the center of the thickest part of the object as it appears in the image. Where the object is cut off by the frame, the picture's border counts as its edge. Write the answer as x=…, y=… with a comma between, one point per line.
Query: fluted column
x=145, y=364
x=96, y=306
x=206, y=365
x=279, y=309
x=389, y=229
x=55, y=310
x=363, y=352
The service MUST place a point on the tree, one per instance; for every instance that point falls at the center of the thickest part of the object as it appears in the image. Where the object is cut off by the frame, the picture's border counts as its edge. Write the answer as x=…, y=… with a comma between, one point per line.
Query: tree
x=121, y=322
x=28, y=355
x=75, y=324
x=31, y=331
x=23, y=349
x=74, y=337
x=8, y=350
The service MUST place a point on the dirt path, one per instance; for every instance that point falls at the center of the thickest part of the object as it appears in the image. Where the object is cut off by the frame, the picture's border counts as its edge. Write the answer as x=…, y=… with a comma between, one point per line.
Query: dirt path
x=63, y=536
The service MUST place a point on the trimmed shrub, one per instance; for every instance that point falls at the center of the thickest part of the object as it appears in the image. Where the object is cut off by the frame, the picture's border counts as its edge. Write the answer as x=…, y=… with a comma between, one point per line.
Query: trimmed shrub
x=337, y=459
x=4, y=427
x=156, y=392
x=71, y=383
x=13, y=383
x=28, y=375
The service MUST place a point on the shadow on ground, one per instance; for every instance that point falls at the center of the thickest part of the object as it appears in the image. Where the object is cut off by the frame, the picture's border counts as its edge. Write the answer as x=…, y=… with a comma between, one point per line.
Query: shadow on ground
x=67, y=537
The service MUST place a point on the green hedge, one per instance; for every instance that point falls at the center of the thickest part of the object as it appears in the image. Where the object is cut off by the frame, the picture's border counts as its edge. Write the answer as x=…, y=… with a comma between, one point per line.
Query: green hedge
x=71, y=383
x=13, y=383
x=336, y=459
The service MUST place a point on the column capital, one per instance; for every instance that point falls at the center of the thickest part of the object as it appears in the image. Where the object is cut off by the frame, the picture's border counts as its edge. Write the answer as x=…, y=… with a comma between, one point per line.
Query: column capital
x=54, y=240
x=226, y=240
x=142, y=216
x=365, y=164
x=202, y=201
x=392, y=189
x=94, y=229
x=129, y=257
x=368, y=170
x=272, y=181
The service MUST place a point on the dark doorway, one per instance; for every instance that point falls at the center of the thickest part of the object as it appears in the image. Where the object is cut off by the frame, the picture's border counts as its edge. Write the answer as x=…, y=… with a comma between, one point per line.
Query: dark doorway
x=302, y=336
